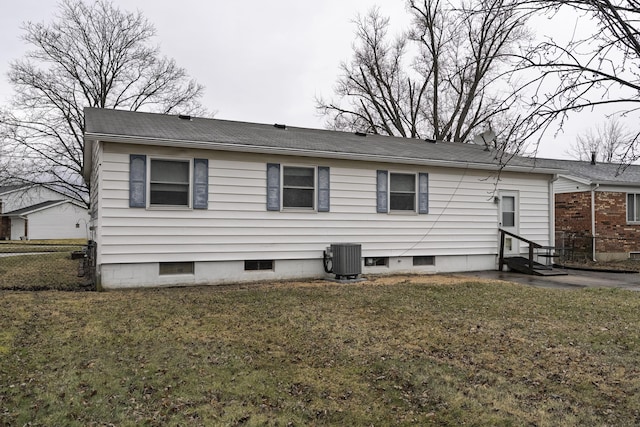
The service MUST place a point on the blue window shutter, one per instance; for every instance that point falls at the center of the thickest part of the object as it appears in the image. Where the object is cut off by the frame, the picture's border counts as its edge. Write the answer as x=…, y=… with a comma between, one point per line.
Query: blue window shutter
x=200, y=183
x=273, y=186
x=137, y=181
x=324, y=197
x=423, y=193
x=382, y=193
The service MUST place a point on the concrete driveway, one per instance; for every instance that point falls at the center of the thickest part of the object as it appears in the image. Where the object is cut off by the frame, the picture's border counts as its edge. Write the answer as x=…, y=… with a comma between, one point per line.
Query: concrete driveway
x=575, y=279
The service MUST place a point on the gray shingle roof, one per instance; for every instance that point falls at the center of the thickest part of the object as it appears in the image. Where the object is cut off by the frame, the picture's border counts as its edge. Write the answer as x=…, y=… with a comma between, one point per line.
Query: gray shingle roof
x=600, y=173
x=10, y=188
x=241, y=136
x=38, y=206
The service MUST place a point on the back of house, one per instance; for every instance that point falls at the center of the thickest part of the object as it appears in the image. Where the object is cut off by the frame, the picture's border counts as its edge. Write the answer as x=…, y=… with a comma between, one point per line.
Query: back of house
x=178, y=200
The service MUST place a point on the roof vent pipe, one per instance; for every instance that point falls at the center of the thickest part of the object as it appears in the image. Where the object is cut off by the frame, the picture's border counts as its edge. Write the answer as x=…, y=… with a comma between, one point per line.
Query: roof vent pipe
x=593, y=157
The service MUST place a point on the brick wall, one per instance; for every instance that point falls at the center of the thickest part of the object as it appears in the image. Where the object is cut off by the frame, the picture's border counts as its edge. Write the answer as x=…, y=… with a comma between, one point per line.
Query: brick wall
x=613, y=234
x=612, y=231
x=573, y=221
x=573, y=212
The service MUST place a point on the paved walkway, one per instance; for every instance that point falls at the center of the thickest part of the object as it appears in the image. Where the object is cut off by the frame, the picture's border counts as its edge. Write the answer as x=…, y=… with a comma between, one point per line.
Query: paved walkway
x=574, y=280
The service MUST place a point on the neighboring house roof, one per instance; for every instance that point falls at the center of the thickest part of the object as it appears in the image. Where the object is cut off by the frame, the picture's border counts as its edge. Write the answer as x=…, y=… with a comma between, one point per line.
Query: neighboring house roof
x=11, y=188
x=599, y=173
x=40, y=206
x=168, y=130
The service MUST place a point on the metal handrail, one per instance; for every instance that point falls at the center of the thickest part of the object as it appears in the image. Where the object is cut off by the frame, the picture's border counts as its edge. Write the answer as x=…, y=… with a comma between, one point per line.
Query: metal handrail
x=532, y=246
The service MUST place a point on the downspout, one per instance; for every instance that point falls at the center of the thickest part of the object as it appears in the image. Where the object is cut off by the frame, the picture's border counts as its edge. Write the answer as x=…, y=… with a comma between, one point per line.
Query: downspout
x=594, y=187
x=552, y=212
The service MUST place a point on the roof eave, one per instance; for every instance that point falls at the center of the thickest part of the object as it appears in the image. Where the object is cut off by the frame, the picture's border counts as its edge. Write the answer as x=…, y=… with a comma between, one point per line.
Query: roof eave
x=617, y=183
x=224, y=146
x=87, y=159
x=24, y=212
x=592, y=182
x=577, y=179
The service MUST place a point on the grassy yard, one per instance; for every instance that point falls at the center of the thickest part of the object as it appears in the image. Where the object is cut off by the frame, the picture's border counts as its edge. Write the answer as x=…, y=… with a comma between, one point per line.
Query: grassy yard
x=51, y=271
x=22, y=246
x=409, y=351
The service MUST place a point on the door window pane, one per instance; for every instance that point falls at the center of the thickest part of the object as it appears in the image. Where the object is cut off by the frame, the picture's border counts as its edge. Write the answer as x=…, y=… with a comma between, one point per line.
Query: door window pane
x=508, y=219
x=508, y=211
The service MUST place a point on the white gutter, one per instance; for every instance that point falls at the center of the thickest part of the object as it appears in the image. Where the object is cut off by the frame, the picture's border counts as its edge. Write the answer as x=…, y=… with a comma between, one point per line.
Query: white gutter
x=593, y=220
x=552, y=212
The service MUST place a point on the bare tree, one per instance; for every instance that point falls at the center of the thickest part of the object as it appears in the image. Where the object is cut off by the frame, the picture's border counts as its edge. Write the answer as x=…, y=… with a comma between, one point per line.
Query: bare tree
x=91, y=55
x=593, y=69
x=437, y=80
x=607, y=141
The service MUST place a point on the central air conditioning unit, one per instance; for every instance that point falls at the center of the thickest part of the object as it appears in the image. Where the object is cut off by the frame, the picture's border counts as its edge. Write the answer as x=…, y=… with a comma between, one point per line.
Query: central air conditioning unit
x=345, y=260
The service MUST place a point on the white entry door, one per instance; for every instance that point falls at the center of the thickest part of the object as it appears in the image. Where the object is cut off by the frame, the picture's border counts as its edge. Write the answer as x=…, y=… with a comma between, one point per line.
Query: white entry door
x=509, y=218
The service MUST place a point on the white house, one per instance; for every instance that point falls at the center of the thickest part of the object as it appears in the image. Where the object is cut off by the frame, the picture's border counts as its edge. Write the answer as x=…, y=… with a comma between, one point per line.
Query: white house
x=38, y=212
x=182, y=200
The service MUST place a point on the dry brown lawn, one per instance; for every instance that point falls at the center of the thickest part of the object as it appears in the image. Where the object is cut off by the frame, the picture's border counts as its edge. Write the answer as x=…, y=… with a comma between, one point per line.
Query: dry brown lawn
x=403, y=350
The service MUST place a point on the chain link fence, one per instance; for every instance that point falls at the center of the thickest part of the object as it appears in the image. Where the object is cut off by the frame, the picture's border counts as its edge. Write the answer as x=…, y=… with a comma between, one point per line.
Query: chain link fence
x=579, y=247
x=26, y=265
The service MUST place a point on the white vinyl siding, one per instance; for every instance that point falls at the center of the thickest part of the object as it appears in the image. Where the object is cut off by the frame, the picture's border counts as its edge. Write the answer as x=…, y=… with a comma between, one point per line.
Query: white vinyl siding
x=59, y=222
x=462, y=216
x=565, y=185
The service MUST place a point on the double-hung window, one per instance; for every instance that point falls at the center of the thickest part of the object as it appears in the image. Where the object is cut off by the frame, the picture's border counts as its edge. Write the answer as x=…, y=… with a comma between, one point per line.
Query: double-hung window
x=163, y=182
x=633, y=207
x=298, y=187
x=305, y=188
x=402, y=192
x=169, y=182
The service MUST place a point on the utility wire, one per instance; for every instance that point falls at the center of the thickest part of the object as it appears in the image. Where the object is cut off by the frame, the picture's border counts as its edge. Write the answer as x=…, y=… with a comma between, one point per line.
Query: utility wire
x=446, y=206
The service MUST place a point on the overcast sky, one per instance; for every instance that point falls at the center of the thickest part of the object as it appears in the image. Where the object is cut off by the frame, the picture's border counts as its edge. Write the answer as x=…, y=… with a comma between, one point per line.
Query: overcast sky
x=260, y=61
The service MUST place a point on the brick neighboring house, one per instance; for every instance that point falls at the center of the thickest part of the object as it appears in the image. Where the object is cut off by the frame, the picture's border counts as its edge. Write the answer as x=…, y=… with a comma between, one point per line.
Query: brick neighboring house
x=597, y=203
